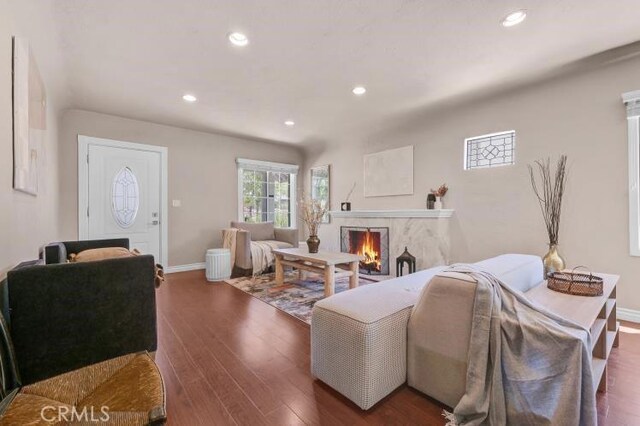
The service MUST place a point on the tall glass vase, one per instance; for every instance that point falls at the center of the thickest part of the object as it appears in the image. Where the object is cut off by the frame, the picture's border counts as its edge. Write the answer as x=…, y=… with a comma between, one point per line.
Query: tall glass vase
x=552, y=261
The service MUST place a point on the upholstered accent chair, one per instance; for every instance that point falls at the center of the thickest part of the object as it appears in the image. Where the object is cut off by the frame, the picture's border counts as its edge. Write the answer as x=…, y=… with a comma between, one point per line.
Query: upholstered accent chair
x=249, y=233
x=101, y=309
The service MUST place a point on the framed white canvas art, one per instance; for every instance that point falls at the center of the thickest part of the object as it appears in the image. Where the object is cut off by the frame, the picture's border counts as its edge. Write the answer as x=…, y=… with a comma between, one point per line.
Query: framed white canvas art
x=29, y=117
x=389, y=172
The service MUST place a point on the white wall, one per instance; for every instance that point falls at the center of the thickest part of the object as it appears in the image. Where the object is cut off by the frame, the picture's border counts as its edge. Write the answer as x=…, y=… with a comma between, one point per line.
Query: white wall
x=580, y=115
x=26, y=222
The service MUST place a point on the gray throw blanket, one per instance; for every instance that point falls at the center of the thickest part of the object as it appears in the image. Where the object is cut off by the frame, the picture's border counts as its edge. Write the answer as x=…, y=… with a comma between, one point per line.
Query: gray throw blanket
x=526, y=365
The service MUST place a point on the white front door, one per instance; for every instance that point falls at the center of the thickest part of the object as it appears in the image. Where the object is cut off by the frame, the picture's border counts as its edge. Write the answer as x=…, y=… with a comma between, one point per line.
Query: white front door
x=123, y=195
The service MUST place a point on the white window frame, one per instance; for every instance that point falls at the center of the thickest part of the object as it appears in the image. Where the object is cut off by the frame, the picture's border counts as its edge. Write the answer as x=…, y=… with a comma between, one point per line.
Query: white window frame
x=269, y=166
x=632, y=102
x=489, y=135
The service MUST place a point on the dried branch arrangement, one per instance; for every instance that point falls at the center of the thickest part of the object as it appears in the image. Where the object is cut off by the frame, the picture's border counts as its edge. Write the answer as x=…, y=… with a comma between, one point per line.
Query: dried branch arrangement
x=351, y=191
x=440, y=192
x=312, y=212
x=549, y=188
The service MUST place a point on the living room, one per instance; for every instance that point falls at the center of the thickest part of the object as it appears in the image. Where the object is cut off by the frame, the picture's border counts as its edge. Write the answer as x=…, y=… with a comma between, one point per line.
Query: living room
x=304, y=172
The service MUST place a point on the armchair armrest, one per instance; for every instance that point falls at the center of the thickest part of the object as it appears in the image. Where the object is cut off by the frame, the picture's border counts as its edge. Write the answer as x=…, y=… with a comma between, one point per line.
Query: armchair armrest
x=438, y=337
x=243, y=250
x=67, y=316
x=287, y=235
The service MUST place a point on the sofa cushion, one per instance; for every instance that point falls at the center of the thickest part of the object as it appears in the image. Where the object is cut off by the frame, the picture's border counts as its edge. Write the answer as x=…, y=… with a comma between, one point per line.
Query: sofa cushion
x=520, y=271
x=369, y=303
x=259, y=231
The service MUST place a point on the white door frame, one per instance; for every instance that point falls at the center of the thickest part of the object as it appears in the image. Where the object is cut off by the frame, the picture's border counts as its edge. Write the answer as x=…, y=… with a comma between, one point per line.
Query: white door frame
x=83, y=186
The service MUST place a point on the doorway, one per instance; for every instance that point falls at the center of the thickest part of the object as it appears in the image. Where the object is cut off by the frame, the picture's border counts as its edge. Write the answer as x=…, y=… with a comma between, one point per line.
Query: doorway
x=122, y=193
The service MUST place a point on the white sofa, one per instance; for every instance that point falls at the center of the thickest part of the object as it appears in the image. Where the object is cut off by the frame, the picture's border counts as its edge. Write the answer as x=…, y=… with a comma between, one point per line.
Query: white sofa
x=368, y=341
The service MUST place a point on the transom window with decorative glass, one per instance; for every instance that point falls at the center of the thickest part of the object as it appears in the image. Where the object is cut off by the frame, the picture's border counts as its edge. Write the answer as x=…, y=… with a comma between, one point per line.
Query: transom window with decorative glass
x=493, y=150
x=267, y=192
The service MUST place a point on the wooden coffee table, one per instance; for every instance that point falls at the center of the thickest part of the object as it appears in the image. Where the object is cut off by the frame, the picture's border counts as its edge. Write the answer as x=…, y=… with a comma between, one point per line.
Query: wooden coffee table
x=331, y=264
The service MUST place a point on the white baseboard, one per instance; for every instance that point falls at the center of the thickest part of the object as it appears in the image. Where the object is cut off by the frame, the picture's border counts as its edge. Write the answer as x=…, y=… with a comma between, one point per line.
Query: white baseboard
x=629, y=315
x=184, y=268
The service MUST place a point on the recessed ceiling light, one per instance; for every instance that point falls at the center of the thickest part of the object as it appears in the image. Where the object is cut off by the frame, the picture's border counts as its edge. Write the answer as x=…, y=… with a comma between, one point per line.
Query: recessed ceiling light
x=514, y=18
x=290, y=123
x=189, y=98
x=359, y=90
x=238, y=39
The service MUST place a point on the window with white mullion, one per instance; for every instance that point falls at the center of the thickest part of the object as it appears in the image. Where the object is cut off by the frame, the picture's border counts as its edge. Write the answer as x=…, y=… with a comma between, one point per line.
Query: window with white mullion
x=632, y=102
x=266, y=192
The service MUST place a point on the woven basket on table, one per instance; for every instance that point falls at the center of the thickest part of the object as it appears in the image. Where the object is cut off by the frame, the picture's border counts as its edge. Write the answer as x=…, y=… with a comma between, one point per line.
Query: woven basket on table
x=575, y=283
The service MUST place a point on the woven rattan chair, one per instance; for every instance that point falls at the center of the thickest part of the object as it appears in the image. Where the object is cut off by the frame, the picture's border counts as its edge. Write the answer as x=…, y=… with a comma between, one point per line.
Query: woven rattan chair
x=127, y=390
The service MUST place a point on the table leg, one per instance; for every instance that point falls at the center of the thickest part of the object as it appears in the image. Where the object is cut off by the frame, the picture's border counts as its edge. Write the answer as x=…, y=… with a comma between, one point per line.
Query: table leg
x=279, y=270
x=329, y=280
x=301, y=274
x=602, y=386
x=355, y=270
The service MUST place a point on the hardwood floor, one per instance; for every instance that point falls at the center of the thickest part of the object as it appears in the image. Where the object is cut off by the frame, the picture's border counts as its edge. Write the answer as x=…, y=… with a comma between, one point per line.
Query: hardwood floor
x=228, y=358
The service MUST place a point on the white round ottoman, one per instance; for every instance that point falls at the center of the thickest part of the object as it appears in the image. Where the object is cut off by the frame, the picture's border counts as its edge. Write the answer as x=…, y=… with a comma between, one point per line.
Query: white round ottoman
x=218, y=264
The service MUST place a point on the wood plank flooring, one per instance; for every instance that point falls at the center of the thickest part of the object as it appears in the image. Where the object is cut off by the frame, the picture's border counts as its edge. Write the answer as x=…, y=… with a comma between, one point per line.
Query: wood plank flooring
x=228, y=358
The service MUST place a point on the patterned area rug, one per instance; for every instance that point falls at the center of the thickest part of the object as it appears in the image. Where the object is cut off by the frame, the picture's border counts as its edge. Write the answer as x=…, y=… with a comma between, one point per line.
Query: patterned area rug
x=295, y=297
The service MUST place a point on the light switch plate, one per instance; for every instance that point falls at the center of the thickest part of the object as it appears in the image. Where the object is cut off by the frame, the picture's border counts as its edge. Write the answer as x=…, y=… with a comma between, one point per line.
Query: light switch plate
x=176, y=203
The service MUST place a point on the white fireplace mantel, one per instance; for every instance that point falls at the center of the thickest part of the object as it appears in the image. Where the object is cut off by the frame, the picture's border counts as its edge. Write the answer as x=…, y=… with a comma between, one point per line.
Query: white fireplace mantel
x=410, y=213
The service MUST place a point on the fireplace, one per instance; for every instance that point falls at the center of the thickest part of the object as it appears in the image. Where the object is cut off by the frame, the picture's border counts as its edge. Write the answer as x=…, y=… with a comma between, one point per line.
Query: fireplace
x=370, y=243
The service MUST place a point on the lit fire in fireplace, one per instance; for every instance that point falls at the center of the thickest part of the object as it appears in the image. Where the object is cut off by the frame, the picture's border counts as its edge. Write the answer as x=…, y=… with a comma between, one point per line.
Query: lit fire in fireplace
x=371, y=244
x=370, y=249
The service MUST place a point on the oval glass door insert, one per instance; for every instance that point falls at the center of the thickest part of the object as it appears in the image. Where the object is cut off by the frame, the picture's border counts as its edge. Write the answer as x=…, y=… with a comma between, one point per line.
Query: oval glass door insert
x=125, y=197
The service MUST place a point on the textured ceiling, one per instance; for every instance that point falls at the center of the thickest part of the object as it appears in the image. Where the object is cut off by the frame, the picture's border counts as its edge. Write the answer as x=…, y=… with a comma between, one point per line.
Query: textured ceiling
x=136, y=58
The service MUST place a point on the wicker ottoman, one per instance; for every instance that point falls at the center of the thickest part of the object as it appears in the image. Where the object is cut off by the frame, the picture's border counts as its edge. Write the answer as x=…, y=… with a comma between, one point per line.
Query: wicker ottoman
x=359, y=337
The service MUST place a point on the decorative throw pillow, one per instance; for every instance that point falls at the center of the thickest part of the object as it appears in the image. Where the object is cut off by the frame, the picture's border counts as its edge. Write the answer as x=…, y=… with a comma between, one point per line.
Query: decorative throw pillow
x=92, y=255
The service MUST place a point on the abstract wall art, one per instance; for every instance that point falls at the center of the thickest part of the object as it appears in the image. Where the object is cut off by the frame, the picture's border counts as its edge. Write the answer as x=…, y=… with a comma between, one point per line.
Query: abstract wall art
x=29, y=117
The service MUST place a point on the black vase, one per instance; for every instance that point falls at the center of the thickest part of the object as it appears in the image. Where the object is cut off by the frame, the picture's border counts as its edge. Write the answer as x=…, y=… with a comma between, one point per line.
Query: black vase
x=313, y=242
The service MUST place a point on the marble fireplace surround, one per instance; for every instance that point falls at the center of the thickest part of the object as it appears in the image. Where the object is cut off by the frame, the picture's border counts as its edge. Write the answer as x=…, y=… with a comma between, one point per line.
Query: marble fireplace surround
x=424, y=232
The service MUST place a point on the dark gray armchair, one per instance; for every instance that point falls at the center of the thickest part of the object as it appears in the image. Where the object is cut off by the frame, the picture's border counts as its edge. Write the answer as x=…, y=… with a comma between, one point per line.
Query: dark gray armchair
x=63, y=316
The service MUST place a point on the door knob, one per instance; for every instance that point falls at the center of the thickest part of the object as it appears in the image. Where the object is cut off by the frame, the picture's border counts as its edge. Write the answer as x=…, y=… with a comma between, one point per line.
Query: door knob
x=155, y=222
